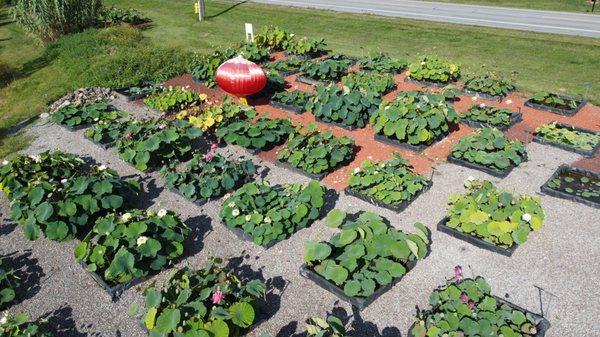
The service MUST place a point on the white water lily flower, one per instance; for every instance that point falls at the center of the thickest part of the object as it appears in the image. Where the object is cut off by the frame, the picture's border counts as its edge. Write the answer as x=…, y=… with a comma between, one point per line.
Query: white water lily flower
x=44, y=115
x=141, y=240
x=231, y=204
x=248, y=218
x=474, y=98
x=509, y=101
x=162, y=213
x=235, y=212
x=126, y=217
x=356, y=170
x=267, y=219
x=36, y=159
x=5, y=162
x=101, y=167
x=482, y=105
x=471, y=178
x=64, y=181
x=526, y=217
x=227, y=196
x=4, y=318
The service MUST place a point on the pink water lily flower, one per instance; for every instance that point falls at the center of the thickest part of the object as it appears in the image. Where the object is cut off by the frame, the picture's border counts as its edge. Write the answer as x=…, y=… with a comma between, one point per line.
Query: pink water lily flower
x=464, y=298
x=471, y=305
x=208, y=156
x=214, y=146
x=458, y=275
x=217, y=297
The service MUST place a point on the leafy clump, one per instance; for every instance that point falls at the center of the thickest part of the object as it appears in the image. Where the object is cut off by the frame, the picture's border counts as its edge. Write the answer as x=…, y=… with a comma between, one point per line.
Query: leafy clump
x=568, y=136
x=19, y=326
x=272, y=213
x=73, y=116
x=366, y=254
x=154, y=143
x=433, y=69
x=173, y=99
x=142, y=89
x=467, y=308
x=108, y=132
x=298, y=99
x=132, y=16
x=306, y=47
x=380, y=62
x=208, y=176
x=489, y=147
x=329, y=69
x=488, y=115
x=213, y=117
x=391, y=182
x=274, y=38
x=210, y=301
x=414, y=117
x=250, y=51
x=262, y=134
x=315, y=152
x=370, y=83
x=489, y=83
x=205, y=67
x=578, y=184
x=344, y=106
x=554, y=101
x=494, y=216
x=7, y=291
x=286, y=67
x=125, y=246
x=331, y=326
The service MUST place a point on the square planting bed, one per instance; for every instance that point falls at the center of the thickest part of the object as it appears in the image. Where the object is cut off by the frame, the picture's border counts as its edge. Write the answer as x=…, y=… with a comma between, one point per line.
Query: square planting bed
x=489, y=170
x=317, y=177
x=114, y=291
x=427, y=83
x=515, y=118
x=484, y=95
x=396, y=208
x=295, y=109
x=416, y=148
x=475, y=241
x=564, y=112
x=591, y=153
x=576, y=174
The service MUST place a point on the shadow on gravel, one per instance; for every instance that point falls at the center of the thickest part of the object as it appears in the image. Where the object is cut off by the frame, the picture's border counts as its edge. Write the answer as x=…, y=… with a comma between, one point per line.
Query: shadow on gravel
x=200, y=227
x=331, y=197
x=26, y=272
x=275, y=286
x=61, y=323
x=7, y=227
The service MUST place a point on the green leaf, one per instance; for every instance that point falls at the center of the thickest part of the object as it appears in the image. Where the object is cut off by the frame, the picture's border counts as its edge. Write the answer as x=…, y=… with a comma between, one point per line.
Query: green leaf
x=316, y=251
x=352, y=288
x=168, y=320
x=44, y=211
x=242, y=314
x=335, y=218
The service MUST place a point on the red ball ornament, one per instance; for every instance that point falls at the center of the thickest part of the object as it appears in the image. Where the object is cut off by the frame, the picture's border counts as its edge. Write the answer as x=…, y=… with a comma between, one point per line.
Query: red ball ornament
x=241, y=77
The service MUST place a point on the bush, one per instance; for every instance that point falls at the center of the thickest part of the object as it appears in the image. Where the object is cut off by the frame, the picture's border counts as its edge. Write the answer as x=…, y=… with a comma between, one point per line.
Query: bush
x=131, y=16
x=50, y=19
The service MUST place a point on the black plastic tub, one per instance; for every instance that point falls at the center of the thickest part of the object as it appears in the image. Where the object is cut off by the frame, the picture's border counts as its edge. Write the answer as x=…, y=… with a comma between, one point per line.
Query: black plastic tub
x=197, y=202
x=571, y=197
x=489, y=170
x=129, y=98
x=545, y=141
x=76, y=127
x=541, y=323
x=115, y=291
x=240, y=234
x=312, y=176
x=396, y=208
x=197, y=80
x=428, y=83
x=287, y=107
x=475, y=241
x=340, y=125
x=306, y=56
x=417, y=148
x=515, y=118
x=310, y=81
x=358, y=302
x=484, y=95
x=102, y=146
x=564, y=112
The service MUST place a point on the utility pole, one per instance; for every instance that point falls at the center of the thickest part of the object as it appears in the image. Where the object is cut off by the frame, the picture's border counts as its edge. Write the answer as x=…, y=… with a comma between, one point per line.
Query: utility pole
x=593, y=5
x=201, y=9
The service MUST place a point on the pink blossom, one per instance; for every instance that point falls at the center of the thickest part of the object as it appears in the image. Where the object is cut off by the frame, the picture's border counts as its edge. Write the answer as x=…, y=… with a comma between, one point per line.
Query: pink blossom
x=464, y=298
x=128, y=136
x=458, y=275
x=208, y=157
x=471, y=304
x=214, y=146
x=162, y=126
x=217, y=297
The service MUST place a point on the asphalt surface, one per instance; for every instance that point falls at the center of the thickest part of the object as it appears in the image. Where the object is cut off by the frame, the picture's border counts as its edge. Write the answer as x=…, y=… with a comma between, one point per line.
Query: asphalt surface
x=562, y=258
x=579, y=24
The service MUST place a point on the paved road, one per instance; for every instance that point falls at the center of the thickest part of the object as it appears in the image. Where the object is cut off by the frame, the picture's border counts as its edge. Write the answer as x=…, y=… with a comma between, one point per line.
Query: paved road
x=513, y=18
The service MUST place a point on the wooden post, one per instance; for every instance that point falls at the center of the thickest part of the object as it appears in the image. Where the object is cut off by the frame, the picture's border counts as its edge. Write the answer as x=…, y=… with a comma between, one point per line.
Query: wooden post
x=201, y=10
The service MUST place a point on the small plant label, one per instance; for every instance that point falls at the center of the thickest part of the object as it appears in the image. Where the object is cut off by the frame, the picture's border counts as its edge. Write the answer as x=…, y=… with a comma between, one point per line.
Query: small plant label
x=249, y=32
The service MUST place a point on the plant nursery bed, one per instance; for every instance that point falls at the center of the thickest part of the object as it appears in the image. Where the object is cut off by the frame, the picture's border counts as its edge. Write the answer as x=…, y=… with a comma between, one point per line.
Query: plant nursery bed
x=417, y=148
x=484, y=95
x=590, y=153
x=542, y=324
x=441, y=226
x=515, y=118
x=114, y=291
x=427, y=83
x=239, y=232
x=396, y=208
x=576, y=174
x=358, y=302
x=312, y=176
x=491, y=171
x=564, y=112
x=309, y=81
x=287, y=107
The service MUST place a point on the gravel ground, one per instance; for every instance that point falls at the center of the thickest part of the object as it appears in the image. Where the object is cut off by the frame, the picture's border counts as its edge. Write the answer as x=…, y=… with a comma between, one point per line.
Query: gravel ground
x=562, y=258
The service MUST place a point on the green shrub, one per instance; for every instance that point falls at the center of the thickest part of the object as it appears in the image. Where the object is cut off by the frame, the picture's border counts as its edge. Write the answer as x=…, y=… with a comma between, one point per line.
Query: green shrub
x=175, y=99
x=87, y=114
x=295, y=98
x=266, y=132
x=489, y=147
x=114, y=15
x=274, y=38
x=50, y=19
x=7, y=285
x=371, y=83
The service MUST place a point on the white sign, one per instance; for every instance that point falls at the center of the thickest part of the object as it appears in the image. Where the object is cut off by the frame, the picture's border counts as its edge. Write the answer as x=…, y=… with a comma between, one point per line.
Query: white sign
x=249, y=32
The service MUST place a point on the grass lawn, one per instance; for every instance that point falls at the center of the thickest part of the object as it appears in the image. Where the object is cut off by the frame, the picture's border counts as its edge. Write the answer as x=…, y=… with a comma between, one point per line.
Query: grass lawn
x=549, y=62
x=581, y=6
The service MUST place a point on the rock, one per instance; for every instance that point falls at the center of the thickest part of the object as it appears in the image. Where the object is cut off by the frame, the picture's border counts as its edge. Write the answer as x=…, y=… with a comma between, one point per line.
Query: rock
x=82, y=96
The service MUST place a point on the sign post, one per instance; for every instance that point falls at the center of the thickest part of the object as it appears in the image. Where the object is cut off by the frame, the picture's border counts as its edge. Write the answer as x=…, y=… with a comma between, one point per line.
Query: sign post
x=200, y=9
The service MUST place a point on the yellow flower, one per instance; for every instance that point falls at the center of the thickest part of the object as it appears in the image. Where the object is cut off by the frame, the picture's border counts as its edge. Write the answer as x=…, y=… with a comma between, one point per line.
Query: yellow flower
x=453, y=68
x=219, y=118
x=203, y=96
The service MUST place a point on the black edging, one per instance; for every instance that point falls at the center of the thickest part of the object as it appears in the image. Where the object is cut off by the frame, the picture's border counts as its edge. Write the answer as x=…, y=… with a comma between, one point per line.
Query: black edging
x=311, y=81
x=428, y=83
x=358, y=302
x=76, y=127
x=417, y=148
x=307, y=56
x=114, y=291
x=541, y=323
x=312, y=176
x=197, y=202
x=475, y=241
x=564, y=195
x=129, y=98
x=397, y=208
x=340, y=125
x=591, y=153
x=102, y=146
x=491, y=171
x=515, y=118
x=197, y=80
x=564, y=112
x=295, y=109
x=484, y=95
x=242, y=235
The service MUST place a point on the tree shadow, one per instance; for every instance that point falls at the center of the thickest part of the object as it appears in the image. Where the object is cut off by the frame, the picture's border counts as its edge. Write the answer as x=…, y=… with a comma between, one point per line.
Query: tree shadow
x=360, y=327
x=331, y=197
x=27, y=274
x=8, y=227
x=61, y=323
x=232, y=7
x=200, y=227
x=276, y=286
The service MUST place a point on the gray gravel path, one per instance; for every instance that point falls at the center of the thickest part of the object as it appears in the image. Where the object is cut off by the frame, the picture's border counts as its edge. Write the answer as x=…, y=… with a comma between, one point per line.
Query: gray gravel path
x=562, y=258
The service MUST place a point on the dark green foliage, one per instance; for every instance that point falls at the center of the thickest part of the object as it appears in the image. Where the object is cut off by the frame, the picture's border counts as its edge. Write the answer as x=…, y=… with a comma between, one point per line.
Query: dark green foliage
x=489, y=147
x=380, y=62
x=87, y=114
x=489, y=83
x=554, y=100
x=488, y=115
x=264, y=133
x=348, y=107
